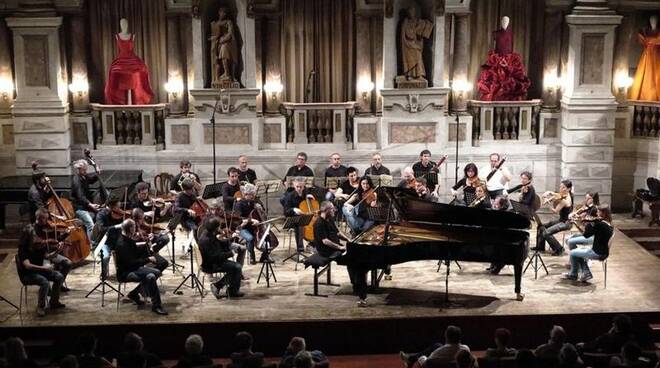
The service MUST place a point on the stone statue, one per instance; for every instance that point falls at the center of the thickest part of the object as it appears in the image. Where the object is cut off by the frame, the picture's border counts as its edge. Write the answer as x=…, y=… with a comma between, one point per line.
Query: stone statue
x=413, y=33
x=224, y=51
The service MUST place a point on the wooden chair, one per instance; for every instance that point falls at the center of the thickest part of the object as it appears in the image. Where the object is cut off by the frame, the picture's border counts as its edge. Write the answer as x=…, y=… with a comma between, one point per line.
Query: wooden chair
x=162, y=183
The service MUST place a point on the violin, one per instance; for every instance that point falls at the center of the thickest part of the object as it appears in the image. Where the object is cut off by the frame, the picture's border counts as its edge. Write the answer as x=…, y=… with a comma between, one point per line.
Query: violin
x=369, y=196
x=553, y=197
x=155, y=202
x=119, y=214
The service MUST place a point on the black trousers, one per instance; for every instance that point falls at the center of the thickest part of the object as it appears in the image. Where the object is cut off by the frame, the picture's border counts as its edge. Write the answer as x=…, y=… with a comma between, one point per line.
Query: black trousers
x=358, y=276
x=233, y=271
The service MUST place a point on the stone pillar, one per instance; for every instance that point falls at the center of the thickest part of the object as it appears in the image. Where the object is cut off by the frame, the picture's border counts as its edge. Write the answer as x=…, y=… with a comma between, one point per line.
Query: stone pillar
x=588, y=106
x=461, y=46
x=80, y=100
x=41, y=119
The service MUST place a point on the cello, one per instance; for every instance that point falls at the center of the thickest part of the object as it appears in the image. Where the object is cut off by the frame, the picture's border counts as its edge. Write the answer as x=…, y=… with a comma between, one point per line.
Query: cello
x=62, y=215
x=103, y=194
x=309, y=207
x=262, y=227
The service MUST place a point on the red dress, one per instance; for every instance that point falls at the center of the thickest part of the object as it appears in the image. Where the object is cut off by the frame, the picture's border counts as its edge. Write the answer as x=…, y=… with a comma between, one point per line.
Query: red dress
x=127, y=72
x=503, y=76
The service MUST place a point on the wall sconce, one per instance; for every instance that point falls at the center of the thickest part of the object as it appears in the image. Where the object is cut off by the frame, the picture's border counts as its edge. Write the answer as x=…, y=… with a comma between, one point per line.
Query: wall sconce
x=622, y=82
x=365, y=86
x=79, y=87
x=460, y=89
x=272, y=88
x=174, y=87
x=6, y=89
x=551, y=84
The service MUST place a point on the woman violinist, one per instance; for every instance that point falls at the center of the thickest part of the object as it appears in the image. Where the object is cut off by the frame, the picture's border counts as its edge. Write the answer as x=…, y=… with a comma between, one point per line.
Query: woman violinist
x=468, y=184
x=587, y=209
x=562, y=205
x=601, y=230
x=355, y=208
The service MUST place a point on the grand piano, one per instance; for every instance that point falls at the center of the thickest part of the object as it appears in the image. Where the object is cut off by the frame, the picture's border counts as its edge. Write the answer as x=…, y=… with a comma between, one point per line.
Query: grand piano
x=14, y=189
x=422, y=230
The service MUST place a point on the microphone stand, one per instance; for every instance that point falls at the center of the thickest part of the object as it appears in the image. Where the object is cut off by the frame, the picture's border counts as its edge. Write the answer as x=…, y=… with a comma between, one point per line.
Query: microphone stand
x=457, y=131
x=212, y=121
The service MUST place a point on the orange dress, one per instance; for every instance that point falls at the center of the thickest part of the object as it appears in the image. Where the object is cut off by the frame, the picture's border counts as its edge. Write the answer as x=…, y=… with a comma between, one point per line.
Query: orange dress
x=647, y=77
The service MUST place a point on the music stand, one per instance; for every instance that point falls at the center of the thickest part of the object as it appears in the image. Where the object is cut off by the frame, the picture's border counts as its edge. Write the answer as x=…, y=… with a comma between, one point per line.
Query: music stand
x=382, y=180
x=333, y=182
x=377, y=214
x=309, y=181
x=291, y=223
x=266, y=187
x=212, y=190
x=103, y=284
x=536, y=256
x=267, y=270
x=431, y=178
x=171, y=227
x=194, y=280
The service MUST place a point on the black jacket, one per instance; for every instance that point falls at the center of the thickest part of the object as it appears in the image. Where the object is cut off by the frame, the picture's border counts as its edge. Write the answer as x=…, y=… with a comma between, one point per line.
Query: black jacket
x=81, y=193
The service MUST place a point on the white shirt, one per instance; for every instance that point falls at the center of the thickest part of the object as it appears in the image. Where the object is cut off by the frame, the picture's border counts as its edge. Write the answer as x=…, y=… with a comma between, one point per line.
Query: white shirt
x=497, y=182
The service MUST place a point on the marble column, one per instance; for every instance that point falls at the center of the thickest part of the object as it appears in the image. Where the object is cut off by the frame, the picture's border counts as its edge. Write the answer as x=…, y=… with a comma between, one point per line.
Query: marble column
x=461, y=46
x=80, y=101
x=40, y=112
x=588, y=106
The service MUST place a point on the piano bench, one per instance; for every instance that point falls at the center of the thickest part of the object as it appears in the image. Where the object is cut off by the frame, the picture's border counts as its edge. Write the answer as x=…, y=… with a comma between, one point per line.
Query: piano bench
x=321, y=265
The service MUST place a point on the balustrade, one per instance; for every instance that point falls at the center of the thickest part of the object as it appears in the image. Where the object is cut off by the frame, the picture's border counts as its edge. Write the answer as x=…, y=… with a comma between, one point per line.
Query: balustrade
x=129, y=124
x=319, y=122
x=505, y=120
x=645, y=119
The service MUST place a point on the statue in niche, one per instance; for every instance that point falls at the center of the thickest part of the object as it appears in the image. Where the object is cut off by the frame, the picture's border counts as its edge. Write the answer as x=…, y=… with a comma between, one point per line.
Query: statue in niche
x=503, y=76
x=412, y=35
x=647, y=77
x=128, y=76
x=224, y=52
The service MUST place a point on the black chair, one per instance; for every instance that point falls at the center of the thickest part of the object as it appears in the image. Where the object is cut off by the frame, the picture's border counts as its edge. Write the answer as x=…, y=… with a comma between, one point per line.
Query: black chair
x=23, y=297
x=321, y=265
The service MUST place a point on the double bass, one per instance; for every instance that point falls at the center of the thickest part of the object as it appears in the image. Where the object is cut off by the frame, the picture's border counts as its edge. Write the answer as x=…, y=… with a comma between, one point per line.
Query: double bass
x=62, y=216
x=309, y=207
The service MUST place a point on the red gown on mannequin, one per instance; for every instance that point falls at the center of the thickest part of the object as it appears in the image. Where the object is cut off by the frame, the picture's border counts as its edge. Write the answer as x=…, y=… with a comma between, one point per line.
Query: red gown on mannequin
x=503, y=76
x=127, y=72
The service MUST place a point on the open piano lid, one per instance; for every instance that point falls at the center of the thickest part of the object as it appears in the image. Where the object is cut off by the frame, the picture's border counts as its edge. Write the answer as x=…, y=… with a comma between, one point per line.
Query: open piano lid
x=413, y=209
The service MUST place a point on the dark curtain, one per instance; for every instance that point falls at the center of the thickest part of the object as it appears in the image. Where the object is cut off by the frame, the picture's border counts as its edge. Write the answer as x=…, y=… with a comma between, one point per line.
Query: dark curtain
x=527, y=19
x=318, y=35
x=147, y=21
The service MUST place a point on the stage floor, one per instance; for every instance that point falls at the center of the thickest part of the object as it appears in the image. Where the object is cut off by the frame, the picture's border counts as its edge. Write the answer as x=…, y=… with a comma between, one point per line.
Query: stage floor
x=416, y=290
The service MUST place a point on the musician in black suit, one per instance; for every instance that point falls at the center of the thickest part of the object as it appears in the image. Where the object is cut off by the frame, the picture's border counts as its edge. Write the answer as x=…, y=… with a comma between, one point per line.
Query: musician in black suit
x=141, y=200
x=216, y=257
x=38, y=194
x=377, y=167
x=245, y=174
x=299, y=169
x=183, y=203
x=230, y=187
x=131, y=267
x=82, y=195
x=527, y=191
x=185, y=173
x=425, y=166
x=108, y=218
x=290, y=203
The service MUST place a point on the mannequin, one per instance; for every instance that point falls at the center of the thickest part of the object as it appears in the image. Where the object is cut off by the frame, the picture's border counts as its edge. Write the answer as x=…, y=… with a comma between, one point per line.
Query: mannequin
x=503, y=76
x=647, y=77
x=128, y=76
x=503, y=38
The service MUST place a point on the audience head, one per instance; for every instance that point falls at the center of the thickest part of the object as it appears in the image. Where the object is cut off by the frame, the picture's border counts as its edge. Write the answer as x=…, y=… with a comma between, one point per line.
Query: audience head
x=69, y=361
x=297, y=344
x=87, y=343
x=568, y=355
x=525, y=359
x=133, y=342
x=630, y=352
x=622, y=323
x=557, y=334
x=452, y=335
x=15, y=351
x=502, y=337
x=194, y=345
x=464, y=359
x=303, y=360
x=243, y=341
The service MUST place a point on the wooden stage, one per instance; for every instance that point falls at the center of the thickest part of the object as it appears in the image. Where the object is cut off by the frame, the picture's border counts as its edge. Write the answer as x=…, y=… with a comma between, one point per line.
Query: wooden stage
x=409, y=309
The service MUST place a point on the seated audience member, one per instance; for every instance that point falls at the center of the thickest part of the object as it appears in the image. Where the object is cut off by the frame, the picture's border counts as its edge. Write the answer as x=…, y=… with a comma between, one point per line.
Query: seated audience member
x=16, y=355
x=550, y=350
x=88, y=357
x=438, y=352
x=297, y=345
x=501, y=349
x=69, y=361
x=525, y=359
x=303, y=360
x=134, y=355
x=464, y=359
x=569, y=358
x=243, y=356
x=630, y=354
x=193, y=356
x=613, y=340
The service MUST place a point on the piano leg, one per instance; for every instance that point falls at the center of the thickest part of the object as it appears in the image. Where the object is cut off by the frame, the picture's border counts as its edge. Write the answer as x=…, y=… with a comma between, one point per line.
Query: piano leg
x=517, y=274
x=2, y=217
